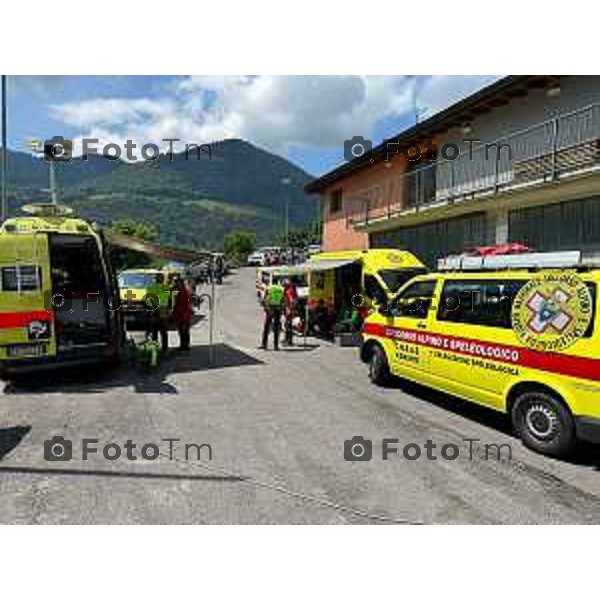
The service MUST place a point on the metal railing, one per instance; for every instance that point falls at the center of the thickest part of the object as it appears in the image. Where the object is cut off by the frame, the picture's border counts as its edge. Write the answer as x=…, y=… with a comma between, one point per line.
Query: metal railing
x=564, y=145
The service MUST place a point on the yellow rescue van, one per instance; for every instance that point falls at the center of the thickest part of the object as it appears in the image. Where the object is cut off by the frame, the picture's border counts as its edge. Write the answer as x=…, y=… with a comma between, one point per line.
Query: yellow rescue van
x=518, y=334
x=57, y=292
x=368, y=276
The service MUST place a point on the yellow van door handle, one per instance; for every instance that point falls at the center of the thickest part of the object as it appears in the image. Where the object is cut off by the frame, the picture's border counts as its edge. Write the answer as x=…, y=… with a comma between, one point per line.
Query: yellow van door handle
x=422, y=325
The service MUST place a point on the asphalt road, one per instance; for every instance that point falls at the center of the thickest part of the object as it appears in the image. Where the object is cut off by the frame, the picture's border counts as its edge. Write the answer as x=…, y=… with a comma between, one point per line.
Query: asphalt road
x=276, y=424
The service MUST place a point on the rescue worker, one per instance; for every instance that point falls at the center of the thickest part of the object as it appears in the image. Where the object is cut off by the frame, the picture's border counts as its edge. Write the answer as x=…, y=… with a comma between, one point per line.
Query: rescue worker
x=273, y=303
x=158, y=302
x=183, y=312
x=219, y=269
x=291, y=299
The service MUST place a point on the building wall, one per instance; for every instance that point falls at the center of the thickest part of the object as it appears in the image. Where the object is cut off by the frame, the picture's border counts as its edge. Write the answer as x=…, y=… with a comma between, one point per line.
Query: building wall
x=377, y=186
x=381, y=186
x=529, y=116
x=436, y=239
x=571, y=225
x=536, y=107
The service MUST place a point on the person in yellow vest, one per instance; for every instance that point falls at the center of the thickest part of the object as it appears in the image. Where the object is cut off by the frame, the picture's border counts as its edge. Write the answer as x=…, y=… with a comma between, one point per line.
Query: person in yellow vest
x=273, y=303
x=159, y=293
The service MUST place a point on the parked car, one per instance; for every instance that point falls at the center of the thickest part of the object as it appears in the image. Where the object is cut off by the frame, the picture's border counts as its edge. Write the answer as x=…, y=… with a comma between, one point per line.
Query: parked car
x=256, y=259
x=198, y=272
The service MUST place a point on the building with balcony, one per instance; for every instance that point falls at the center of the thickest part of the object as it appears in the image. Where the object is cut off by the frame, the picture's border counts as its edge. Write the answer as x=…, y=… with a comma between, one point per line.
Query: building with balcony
x=518, y=161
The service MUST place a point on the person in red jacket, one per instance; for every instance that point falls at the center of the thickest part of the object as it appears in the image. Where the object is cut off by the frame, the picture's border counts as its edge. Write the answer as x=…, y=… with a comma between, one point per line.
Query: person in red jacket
x=183, y=312
x=291, y=301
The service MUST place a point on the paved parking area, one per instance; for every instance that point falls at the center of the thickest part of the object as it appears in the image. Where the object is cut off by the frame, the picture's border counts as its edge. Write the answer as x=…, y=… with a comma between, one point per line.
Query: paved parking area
x=276, y=424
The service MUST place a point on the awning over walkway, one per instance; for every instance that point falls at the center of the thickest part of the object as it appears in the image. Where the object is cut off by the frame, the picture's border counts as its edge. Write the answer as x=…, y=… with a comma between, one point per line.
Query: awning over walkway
x=154, y=249
x=325, y=264
x=284, y=270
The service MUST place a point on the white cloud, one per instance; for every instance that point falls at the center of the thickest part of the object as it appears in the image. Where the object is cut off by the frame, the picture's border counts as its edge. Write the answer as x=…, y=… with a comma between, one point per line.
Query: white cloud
x=275, y=112
x=439, y=92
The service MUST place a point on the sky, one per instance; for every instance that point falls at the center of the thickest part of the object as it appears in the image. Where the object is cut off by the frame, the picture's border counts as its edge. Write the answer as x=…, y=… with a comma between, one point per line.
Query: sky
x=303, y=118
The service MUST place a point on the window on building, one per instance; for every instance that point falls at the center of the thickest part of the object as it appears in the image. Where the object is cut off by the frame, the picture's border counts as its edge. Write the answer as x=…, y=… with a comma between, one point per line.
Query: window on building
x=434, y=240
x=420, y=183
x=414, y=301
x=335, y=202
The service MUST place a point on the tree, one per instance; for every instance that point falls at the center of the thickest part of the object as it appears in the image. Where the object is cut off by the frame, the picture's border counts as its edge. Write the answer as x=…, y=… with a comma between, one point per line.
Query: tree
x=301, y=237
x=239, y=243
x=139, y=229
x=122, y=258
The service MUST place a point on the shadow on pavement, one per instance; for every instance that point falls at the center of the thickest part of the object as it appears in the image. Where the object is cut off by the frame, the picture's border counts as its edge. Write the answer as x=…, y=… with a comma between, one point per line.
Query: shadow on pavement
x=585, y=455
x=116, y=474
x=465, y=408
x=10, y=438
x=96, y=379
x=299, y=347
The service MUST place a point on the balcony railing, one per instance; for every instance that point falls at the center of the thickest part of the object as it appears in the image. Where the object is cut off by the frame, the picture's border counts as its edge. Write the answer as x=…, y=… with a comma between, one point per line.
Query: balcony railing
x=548, y=151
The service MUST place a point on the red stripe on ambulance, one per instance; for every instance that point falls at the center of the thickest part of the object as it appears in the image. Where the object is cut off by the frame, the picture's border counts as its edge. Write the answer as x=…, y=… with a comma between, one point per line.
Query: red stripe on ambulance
x=10, y=320
x=563, y=364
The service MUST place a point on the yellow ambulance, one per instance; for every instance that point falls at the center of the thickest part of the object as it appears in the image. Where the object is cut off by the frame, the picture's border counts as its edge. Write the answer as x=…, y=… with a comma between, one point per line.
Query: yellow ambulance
x=373, y=275
x=58, y=294
x=139, y=289
x=518, y=334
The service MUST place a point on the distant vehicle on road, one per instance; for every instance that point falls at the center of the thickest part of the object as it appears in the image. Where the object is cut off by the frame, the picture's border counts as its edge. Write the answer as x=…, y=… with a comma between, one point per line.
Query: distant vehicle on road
x=257, y=259
x=312, y=249
x=198, y=272
x=278, y=274
x=135, y=289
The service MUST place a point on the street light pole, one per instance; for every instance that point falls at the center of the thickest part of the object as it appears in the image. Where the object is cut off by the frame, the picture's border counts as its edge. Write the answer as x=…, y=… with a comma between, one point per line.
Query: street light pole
x=4, y=151
x=37, y=147
x=286, y=181
x=53, y=194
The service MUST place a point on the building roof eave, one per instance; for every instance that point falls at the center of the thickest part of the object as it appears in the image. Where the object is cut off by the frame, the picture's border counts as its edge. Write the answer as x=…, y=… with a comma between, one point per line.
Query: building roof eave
x=509, y=86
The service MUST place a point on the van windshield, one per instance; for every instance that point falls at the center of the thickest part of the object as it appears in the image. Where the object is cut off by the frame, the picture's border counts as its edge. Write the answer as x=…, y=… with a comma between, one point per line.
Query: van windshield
x=138, y=280
x=396, y=278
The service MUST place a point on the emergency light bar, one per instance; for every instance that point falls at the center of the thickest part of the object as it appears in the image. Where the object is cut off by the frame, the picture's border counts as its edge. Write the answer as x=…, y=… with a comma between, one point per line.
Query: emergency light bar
x=530, y=260
x=47, y=209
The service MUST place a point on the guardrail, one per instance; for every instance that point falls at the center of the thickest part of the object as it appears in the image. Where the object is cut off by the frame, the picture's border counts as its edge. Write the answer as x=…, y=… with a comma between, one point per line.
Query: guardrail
x=547, y=151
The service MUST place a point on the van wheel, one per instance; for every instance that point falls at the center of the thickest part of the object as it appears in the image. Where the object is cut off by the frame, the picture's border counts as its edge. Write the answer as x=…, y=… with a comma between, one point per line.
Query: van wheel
x=379, y=370
x=544, y=423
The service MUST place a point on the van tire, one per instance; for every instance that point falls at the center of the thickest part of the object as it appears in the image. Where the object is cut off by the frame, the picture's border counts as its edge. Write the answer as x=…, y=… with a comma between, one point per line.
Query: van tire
x=544, y=423
x=379, y=369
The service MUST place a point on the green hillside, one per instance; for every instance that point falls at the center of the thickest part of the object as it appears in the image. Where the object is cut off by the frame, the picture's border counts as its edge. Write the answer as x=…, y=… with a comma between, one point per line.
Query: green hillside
x=190, y=202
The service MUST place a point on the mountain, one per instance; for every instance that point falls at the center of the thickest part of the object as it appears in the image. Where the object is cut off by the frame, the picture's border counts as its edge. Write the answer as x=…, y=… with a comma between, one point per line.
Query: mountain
x=192, y=202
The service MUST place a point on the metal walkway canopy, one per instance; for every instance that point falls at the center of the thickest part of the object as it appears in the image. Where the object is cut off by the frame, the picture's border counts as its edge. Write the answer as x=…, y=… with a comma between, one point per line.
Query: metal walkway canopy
x=155, y=250
x=325, y=264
